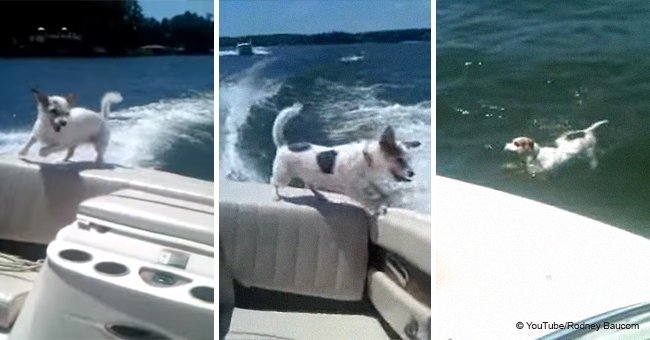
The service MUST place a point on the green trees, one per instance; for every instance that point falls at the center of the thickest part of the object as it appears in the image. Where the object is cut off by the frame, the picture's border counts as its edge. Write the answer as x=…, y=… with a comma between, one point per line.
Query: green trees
x=392, y=36
x=113, y=27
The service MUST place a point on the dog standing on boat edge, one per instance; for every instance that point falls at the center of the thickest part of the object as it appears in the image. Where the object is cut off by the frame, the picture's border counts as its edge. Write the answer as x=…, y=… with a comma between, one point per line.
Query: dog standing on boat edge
x=354, y=169
x=59, y=126
x=568, y=146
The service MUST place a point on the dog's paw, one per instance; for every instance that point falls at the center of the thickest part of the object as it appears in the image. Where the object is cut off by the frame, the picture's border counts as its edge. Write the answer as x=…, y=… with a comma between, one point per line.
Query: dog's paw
x=43, y=152
x=376, y=212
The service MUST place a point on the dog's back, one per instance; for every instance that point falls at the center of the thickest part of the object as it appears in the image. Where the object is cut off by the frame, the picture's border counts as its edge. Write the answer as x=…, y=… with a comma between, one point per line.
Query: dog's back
x=322, y=167
x=83, y=126
x=570, y=145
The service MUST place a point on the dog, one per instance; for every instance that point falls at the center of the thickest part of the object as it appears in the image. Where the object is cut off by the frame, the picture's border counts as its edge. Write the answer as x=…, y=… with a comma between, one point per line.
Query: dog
x=60, y=126
x=355, y=169
x=571, y=144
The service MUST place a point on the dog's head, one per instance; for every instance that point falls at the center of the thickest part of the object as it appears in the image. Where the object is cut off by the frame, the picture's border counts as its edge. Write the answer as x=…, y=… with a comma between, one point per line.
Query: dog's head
x=55, y=108
x=393, y=155
x=522, y=146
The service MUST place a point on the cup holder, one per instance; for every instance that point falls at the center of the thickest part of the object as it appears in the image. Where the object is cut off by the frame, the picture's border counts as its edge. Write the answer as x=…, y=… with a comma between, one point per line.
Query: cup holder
x=74, y=255
x=112, y=268
x=160, y=278
x=203, y=293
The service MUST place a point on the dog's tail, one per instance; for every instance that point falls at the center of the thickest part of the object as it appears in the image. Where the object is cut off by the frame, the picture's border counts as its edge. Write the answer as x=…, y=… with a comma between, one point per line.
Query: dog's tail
x=281, y=120
x=596, y=125
x=108, y=99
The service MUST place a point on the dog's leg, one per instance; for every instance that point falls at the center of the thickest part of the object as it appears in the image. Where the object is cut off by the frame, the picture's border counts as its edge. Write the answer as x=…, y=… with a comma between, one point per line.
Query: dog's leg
x=100, y=148
x=100, y=143
x=49, y=149
x=318, y=195
x=70, y=153
x=99, y=159
x=280, y=178
x=593, y=161
x=276, y=193
x=27, y=146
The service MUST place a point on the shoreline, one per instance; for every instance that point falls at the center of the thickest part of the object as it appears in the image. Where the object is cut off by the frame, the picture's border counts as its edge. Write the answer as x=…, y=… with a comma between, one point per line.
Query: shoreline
x=100, y=56
x=330, y=38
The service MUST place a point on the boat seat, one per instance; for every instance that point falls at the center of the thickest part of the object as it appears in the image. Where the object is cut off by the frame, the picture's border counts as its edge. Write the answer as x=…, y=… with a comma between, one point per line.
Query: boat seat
x=53, y=192
x=399, y=308
x=300, y=245
x=254, y=324
x=406, y=233
x=159, y=214
x=14, y=287
x=226, y=296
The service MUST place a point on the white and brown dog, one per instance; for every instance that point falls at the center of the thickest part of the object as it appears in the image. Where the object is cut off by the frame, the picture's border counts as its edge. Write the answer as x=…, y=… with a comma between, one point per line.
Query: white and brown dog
x=355, y=169
x=59, y=126
x=571, y=144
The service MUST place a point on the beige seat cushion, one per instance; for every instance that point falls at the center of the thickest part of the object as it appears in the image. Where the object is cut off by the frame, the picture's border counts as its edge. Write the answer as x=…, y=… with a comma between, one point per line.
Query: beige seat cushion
x=253, y=325
x=53, y=192
x=14, y=288
x=169, y=216
x=299, y=245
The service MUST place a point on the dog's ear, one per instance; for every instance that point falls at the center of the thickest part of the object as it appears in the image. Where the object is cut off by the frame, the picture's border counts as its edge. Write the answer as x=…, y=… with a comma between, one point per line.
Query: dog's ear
x=412, y=144
x=387, y=142
x=70, y=98
x=388, y=136
x=40, y=97
x=529, y=144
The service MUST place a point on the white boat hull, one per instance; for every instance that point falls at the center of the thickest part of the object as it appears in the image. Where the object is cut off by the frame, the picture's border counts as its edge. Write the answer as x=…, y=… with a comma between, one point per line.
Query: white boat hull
x=503, y=259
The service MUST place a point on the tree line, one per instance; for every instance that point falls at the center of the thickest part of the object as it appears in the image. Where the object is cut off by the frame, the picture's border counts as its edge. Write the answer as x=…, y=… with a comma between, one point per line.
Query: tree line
x=113, y=27
x=392, y=36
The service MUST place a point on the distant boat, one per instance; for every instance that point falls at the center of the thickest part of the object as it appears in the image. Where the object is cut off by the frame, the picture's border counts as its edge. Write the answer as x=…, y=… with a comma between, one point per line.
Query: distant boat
x=352, y=58
x=245, y=48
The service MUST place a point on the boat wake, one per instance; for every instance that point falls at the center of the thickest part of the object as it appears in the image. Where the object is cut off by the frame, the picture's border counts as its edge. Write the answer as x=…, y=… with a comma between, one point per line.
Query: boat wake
x=140, y=135
x=257, y=50
x=248, y=104
x=352, y=58
x=236, y=97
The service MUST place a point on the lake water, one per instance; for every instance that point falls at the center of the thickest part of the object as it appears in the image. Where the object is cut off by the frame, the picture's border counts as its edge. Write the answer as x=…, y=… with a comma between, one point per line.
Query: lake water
x=165, y=121
x=511, y=68
x=344, y=100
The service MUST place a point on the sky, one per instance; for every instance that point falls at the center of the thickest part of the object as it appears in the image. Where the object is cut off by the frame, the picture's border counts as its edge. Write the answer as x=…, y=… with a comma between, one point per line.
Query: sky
x=160, y=9
x=248, y=17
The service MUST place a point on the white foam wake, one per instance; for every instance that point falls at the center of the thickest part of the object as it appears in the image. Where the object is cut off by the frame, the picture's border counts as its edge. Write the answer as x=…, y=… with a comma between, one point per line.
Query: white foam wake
x=236, y=97
x=354, y=112
x=349, y=113
x=257, y=50
x=139, y=134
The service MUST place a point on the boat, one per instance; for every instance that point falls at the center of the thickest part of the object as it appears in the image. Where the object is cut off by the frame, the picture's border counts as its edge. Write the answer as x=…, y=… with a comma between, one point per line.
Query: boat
x=352, y=58
x=310, y=268
x=514, y=268
x=245, y=48
x=126, y=253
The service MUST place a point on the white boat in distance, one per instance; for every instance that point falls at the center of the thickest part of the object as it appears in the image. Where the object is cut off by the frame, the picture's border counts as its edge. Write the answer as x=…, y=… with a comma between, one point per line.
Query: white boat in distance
x=245, y=48
x=353, y=58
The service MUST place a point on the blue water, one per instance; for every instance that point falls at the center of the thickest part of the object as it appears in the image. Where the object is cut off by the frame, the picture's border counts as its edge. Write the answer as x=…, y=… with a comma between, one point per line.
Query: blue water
x=343, y=102
x=165, y=121
x=511, y=68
